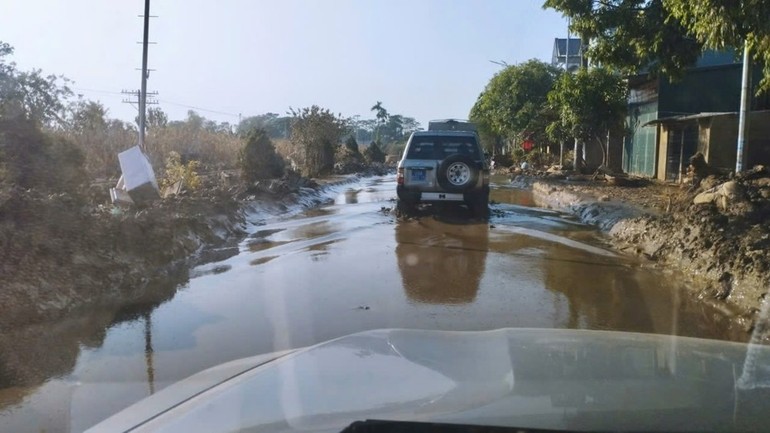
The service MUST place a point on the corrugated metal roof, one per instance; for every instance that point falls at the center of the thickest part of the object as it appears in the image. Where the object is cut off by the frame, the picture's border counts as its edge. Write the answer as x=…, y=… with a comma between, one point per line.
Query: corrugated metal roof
x=689, y=117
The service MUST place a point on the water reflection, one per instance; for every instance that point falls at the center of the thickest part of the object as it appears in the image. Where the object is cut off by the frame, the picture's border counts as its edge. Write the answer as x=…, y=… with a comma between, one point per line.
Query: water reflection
x=33, y=354
x=149, y=352
x=441, y=263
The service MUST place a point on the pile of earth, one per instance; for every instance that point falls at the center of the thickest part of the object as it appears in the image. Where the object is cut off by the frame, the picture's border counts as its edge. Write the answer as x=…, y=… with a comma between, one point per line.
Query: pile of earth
x=717, y=231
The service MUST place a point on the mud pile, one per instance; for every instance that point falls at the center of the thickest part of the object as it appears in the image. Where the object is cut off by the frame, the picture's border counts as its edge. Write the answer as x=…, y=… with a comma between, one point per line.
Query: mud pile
x=717, y=232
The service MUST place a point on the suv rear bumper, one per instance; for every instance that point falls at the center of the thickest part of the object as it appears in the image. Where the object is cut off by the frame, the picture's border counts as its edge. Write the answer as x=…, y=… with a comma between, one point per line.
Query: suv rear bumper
x=416, y=196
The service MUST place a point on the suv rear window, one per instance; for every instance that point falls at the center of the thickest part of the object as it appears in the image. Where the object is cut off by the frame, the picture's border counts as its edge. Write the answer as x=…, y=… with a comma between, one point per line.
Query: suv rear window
x=427, y=147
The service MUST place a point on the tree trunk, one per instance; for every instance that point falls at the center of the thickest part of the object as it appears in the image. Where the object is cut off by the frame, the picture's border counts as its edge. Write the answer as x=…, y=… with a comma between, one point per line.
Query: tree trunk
x=577, y=163
x=603, y=149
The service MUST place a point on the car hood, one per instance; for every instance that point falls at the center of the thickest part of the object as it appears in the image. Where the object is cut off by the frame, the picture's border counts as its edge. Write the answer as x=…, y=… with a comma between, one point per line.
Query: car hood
x=534, y=378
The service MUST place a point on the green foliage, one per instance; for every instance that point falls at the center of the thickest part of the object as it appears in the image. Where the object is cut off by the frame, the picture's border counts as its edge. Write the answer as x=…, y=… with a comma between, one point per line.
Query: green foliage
x=352, y=145
x=214, y=145
x=258, y=159
x=631, y=35
x=275, y=125
x=382, y=117
x=395, y=128
x=99, y=138
x=30, y=94
x=315, y=134
x=373, y=153
x=514, y=104
x=667, y=36
x=32, y=159
x=177, y=171
x=722, y=24
x=590, y=103
x=536, y=158
x=156, y=118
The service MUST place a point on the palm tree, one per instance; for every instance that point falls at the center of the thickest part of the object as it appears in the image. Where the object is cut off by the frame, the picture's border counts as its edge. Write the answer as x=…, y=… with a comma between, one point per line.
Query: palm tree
x=382, y=116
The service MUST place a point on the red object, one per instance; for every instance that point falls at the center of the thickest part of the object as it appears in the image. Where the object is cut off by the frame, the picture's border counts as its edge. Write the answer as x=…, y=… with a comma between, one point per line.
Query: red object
x=527, y=145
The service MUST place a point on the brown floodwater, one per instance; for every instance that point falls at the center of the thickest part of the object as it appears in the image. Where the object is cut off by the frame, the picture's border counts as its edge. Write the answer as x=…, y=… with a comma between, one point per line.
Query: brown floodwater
x=342, y=268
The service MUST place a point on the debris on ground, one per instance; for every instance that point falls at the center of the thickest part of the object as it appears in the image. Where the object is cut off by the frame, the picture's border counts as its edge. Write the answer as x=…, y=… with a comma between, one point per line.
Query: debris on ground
x=712, y=227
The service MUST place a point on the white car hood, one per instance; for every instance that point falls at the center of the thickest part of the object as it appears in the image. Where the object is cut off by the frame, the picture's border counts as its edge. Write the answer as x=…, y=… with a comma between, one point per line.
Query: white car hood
x=534, y=378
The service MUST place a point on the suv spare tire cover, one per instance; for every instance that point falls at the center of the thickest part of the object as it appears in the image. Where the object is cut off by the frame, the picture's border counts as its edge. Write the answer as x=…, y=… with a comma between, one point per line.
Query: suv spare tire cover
x=457, y=173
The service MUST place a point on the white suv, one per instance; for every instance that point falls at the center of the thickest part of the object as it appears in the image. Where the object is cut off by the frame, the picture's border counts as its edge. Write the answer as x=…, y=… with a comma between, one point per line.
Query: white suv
x=444, y=164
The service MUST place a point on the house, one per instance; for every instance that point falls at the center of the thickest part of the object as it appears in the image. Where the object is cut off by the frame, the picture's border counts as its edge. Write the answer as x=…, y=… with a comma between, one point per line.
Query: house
x=669, y=121
x=715, y=135
x=559, y=57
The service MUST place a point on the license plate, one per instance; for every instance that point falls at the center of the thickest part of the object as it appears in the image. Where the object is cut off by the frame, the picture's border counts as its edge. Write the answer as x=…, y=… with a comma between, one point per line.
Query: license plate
x=418, y=175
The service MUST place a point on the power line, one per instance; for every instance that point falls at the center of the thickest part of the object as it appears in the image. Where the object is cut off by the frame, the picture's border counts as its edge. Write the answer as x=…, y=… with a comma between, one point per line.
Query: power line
x=164, y=101
x=207, y=110
x=106, y=92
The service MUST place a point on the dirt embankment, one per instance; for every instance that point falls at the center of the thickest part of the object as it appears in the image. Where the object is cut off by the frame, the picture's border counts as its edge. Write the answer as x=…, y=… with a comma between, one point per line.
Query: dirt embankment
x=59, y=257
x=716, y=234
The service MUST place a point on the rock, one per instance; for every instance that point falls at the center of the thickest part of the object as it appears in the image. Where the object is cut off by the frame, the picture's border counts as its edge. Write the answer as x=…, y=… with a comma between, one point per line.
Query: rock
x=758, y=171
x=709, y=182
x=705, y=198
x=604, y=198
x=731, y=189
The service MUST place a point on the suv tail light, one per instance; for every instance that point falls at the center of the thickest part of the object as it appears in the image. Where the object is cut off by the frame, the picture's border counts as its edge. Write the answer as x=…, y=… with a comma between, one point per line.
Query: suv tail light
x=400, y=176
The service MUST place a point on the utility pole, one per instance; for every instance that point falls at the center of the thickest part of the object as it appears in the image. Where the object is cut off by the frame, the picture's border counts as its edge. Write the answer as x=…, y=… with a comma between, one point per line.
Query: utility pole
x=566, y=69
x=143, y=94
x=743, y=120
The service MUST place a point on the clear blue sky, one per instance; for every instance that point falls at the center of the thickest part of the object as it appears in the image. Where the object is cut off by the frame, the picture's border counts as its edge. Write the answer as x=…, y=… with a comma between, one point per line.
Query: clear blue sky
x=421, y=58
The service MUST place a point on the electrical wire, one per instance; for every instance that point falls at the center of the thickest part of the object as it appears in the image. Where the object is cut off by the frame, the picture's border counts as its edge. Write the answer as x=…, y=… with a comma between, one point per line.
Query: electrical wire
x=165, y=101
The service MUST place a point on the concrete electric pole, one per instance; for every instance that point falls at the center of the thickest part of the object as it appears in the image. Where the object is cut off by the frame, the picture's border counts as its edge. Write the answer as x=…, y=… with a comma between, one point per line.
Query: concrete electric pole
x=143, y=91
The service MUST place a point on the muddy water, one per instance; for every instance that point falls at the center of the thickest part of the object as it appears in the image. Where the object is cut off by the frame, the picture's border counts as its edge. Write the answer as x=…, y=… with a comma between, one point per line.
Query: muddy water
x=341, y=268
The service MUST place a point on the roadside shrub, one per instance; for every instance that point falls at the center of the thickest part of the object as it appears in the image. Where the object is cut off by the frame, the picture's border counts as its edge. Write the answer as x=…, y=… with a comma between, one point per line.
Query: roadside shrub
x=177, y=171
x=373, y=153
x=315, y=134
x=352, y=146
x=258, y=159
x=503, y=160
x=32, y=159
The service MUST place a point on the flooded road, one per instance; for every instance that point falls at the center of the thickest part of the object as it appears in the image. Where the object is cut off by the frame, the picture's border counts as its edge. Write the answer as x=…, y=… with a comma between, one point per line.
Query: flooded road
x=334, y=270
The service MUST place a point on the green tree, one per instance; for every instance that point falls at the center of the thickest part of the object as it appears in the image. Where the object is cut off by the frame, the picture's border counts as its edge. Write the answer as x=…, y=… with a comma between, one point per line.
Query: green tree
x=33, y=159
x=632, y=35
x=373, y=153
x=382, y=117
x=591, y=103
x=315, y=134
x=722, y=24
x=156, y=118
x=351, y=145
x=258, y=158
x=30, y=94
x=514, y=105
x=90, y=129
x=275, y=125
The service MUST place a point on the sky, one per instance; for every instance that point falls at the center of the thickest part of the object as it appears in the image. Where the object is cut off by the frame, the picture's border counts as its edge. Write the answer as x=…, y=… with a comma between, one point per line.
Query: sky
x=426, y=59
